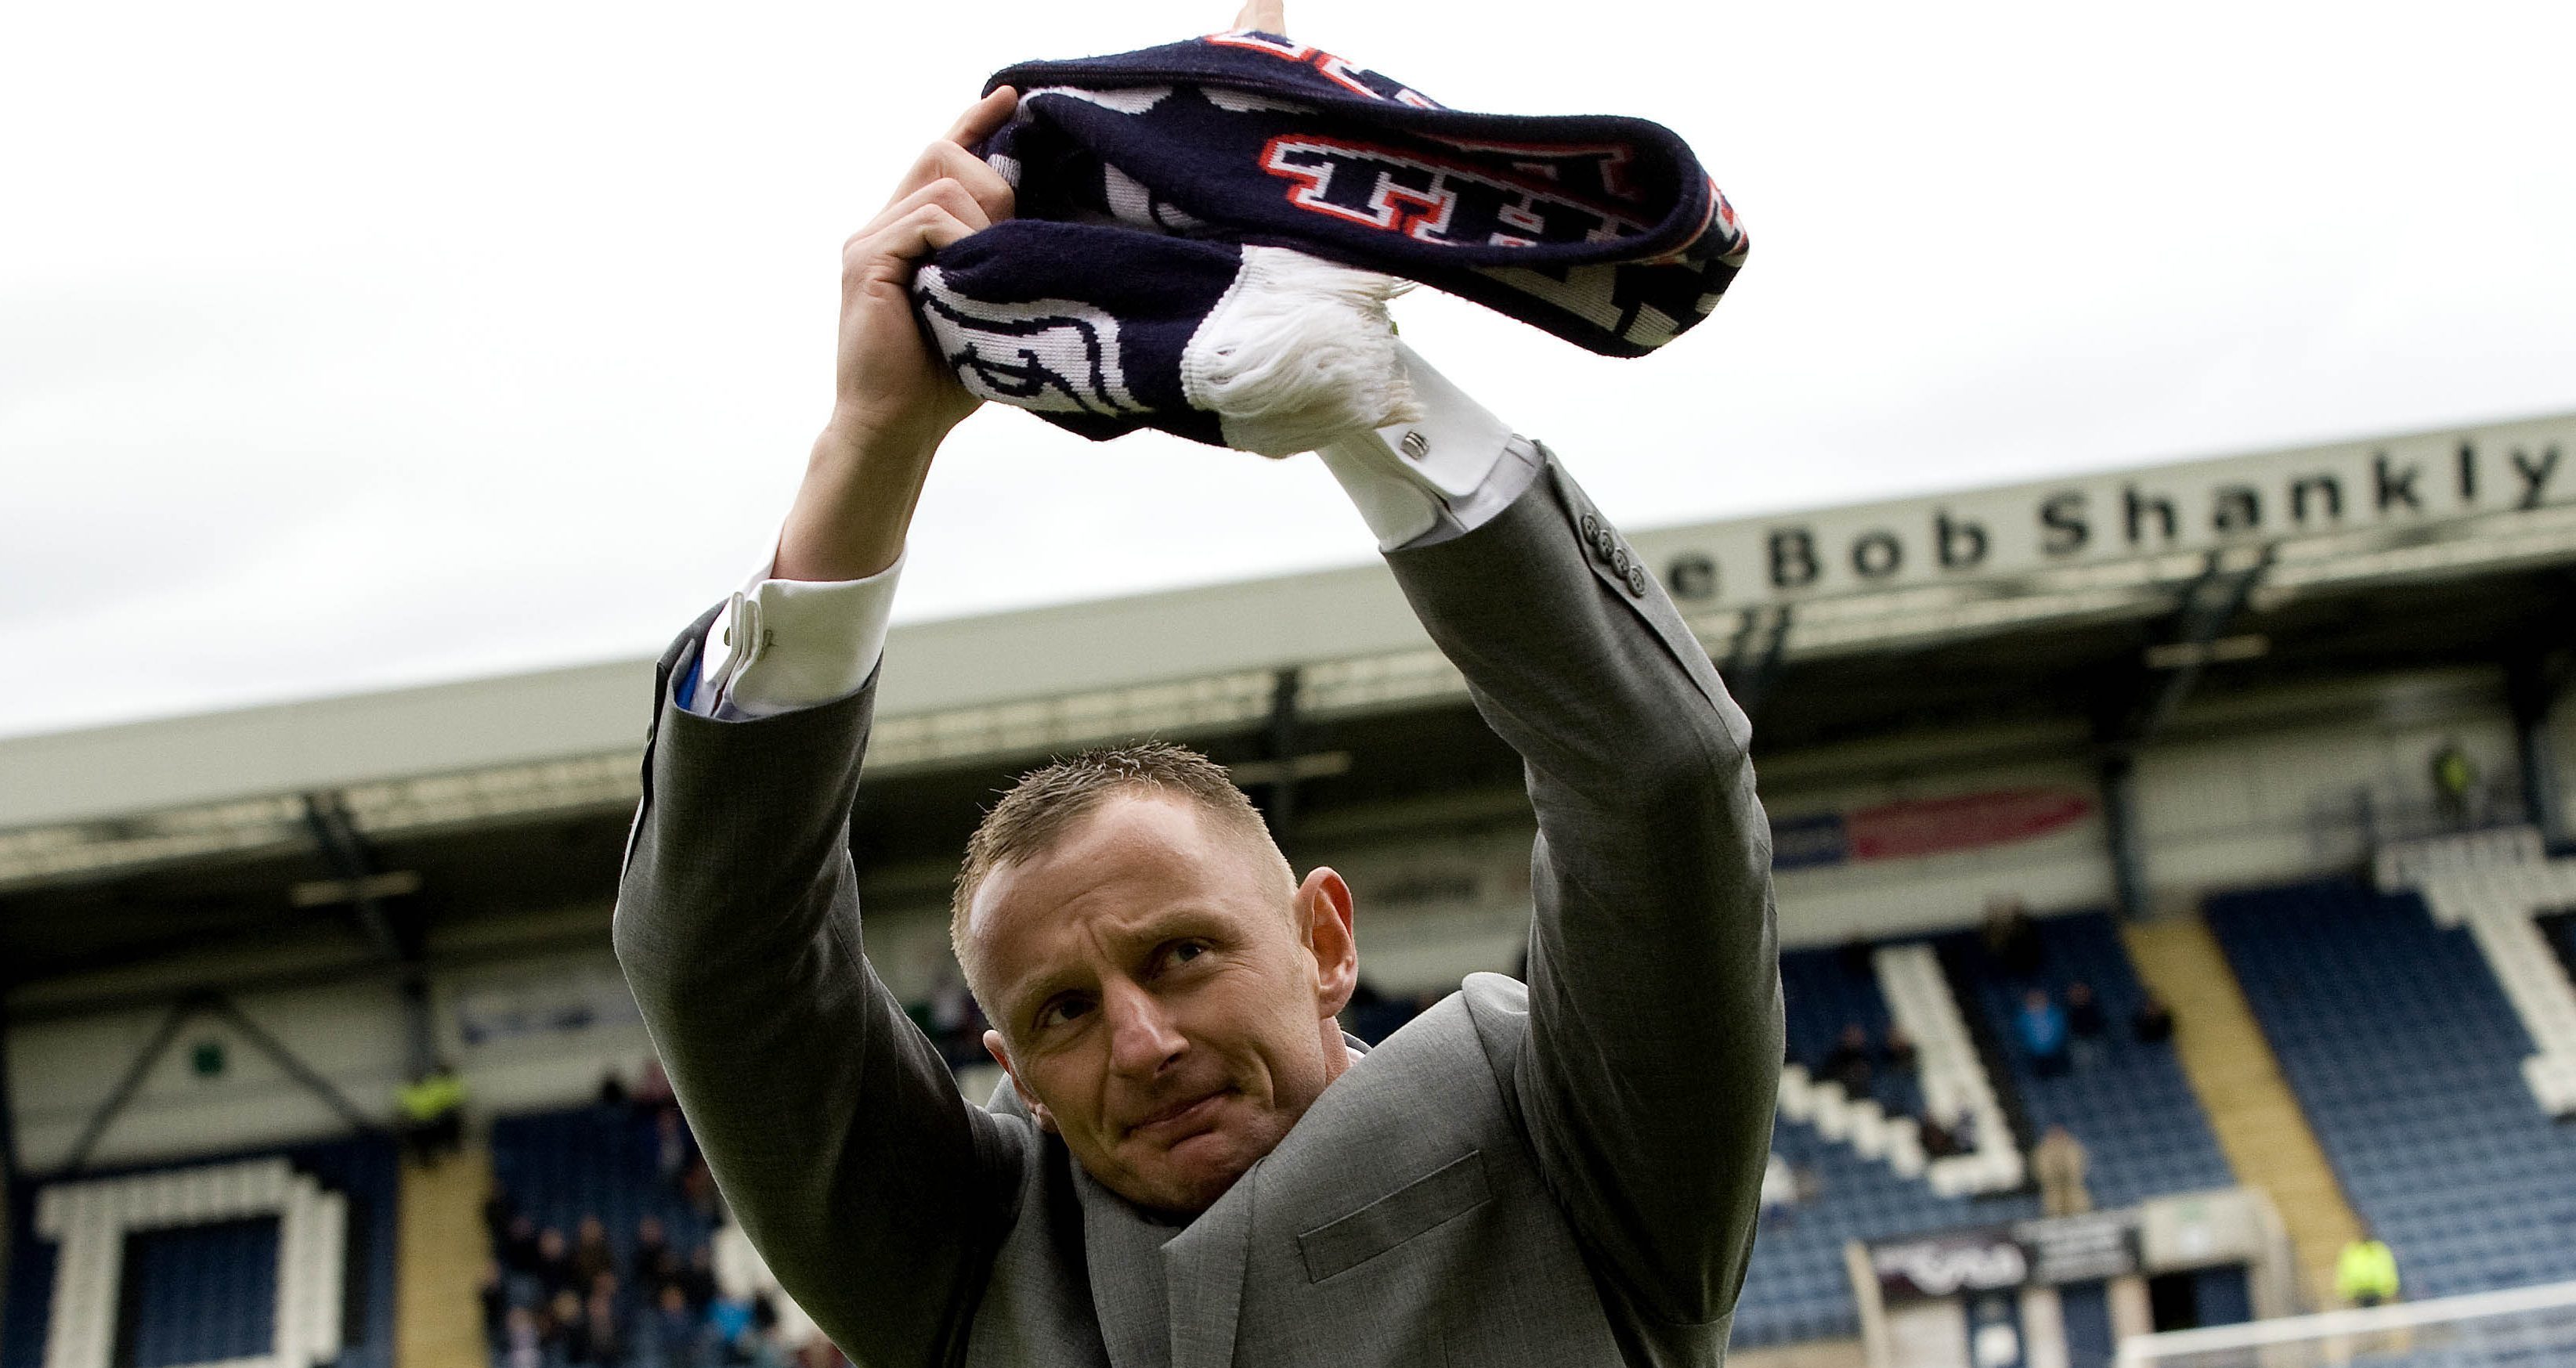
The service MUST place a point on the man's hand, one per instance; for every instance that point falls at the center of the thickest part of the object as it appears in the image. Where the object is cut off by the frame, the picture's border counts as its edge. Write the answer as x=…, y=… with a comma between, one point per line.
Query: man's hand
x=893, y=400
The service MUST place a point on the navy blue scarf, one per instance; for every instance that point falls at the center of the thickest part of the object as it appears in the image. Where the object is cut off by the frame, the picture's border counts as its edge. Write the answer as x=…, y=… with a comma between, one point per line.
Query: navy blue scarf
x=1143, y=178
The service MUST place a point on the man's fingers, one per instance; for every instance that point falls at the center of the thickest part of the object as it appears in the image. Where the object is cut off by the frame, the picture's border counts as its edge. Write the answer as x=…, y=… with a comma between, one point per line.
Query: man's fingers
x=947, y=159
x=926, y=232
x=1264, y=16
x=985, y=117
x=946, y=192
x=886, y=254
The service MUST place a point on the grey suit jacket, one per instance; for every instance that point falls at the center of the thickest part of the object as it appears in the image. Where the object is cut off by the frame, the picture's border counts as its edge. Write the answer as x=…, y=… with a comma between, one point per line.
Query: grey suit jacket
x=1560, y=1175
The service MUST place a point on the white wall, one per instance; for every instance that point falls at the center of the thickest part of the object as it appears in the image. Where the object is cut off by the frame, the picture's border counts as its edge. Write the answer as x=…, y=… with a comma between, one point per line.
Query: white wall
x=59, y=1072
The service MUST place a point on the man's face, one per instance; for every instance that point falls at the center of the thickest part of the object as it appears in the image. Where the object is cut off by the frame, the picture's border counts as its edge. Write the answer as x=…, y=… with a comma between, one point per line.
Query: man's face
x=1164, y=1000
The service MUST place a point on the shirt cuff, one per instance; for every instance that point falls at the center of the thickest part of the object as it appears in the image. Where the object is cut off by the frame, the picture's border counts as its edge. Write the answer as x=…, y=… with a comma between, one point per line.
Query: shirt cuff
x=1446, y=475
x=781, y=645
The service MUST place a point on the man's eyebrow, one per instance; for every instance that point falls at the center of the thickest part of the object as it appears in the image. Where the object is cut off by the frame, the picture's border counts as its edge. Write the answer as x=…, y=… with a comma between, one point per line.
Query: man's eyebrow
x=1148, y=930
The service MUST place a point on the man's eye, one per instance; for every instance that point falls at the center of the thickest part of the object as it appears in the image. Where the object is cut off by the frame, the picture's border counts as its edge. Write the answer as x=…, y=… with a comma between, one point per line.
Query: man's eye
x=1186, y=951
x=1061, y=1011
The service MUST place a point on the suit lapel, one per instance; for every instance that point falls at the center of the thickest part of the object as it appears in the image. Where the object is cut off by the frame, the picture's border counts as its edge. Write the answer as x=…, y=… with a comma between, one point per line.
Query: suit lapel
x=1203, y=1273
x=1125, y=1251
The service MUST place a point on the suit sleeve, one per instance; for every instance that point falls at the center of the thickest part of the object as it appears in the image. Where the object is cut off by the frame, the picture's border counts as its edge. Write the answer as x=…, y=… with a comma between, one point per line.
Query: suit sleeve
x=838, y=1136
x=1647, y=1077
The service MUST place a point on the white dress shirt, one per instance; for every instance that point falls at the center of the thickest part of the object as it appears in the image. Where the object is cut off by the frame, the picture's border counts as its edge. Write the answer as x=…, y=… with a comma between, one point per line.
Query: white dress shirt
x=781, y=645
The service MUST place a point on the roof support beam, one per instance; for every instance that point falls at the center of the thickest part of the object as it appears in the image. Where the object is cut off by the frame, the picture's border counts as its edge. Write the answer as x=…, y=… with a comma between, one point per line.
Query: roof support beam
x=180, y=1014
x=2209, y=606
x=400, y=940
x=2166, y=675
x=1753, y=656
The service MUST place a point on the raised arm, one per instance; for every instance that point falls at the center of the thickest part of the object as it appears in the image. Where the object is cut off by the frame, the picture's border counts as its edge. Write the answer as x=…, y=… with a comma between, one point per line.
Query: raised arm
x=872, y=1189
x=1648, y=1074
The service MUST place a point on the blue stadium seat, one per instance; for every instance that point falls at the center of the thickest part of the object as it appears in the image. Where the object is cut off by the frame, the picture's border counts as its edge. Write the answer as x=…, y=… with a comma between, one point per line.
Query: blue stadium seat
x=2406, y=1056
x=203, y=1293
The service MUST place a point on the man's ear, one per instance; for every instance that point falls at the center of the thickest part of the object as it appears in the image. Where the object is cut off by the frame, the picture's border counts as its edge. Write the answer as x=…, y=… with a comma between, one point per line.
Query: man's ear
x=1324, y=915
x=993, y=1047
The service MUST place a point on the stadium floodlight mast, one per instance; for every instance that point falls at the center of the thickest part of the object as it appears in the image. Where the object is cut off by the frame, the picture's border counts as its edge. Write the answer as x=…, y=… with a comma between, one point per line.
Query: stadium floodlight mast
x=2521, y=1325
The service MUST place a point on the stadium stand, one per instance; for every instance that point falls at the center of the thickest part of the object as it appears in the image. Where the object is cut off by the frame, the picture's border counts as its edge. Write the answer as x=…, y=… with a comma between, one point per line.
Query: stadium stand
x=2500, y=884
x=2405, y=1055
x=599, y=1161
x=604, y=1171
x=2130, y=1106
x=195, y=1292
x=1797, y=1288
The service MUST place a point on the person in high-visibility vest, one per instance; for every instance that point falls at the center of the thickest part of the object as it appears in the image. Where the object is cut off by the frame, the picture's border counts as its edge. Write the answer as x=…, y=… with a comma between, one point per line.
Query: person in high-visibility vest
x=433, y=1112
x=2455, y=782
x=2366, y=1272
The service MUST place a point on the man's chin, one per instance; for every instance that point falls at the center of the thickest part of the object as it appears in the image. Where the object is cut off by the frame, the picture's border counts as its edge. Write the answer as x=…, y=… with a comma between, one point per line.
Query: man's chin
x=1189, y=1177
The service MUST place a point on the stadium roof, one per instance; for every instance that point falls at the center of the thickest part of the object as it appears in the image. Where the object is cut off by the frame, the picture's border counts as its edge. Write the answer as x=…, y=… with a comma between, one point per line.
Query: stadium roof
x=2073, y=601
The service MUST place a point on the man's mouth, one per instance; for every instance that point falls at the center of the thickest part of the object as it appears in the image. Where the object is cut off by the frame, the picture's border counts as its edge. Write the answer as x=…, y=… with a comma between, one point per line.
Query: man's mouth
x=1181, y=1120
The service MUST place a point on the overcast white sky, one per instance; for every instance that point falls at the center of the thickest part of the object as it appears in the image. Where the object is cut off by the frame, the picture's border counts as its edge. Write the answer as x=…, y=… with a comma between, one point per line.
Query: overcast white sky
x=351, y=346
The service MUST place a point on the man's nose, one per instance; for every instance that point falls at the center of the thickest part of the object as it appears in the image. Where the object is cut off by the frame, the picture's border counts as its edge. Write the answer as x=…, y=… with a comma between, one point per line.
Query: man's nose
x=1142, y=1039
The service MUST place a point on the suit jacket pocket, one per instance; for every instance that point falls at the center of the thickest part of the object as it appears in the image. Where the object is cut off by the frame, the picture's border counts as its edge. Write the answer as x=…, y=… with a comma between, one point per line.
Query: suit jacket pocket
x=1449, y=1191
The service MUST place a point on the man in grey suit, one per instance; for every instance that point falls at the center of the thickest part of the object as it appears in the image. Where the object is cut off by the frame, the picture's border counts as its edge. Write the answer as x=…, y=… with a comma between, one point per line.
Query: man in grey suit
x=1192, y=1166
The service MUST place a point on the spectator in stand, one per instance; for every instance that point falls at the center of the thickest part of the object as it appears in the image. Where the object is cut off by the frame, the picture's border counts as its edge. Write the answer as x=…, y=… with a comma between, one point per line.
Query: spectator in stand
x=2366, y=1271
x=554, y=1270
x=1896, y=1053
x=697, y=1283
x=2153, y=1022
x=645, y=1264
x=768, y=1347
x=522, y=1344
x=667, y=1271
x=2042, y=1027
x=2058, y=1162
x=2010, y=939
x=567, y=1328
x=2086, y=1028
x=1848, y=1062
x=673, y=1337
x=606, y=1329
x=591, y=1255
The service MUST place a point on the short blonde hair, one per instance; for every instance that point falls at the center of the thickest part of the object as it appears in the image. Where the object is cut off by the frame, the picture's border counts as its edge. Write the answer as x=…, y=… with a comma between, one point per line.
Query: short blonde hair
x=1049, y=801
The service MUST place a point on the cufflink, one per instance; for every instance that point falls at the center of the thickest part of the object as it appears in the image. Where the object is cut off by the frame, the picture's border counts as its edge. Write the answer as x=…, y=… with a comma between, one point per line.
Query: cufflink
x=1415, y=446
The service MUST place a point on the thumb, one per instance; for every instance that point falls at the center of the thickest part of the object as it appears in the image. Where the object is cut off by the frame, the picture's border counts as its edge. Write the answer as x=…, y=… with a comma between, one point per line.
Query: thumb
x=1264, y=16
